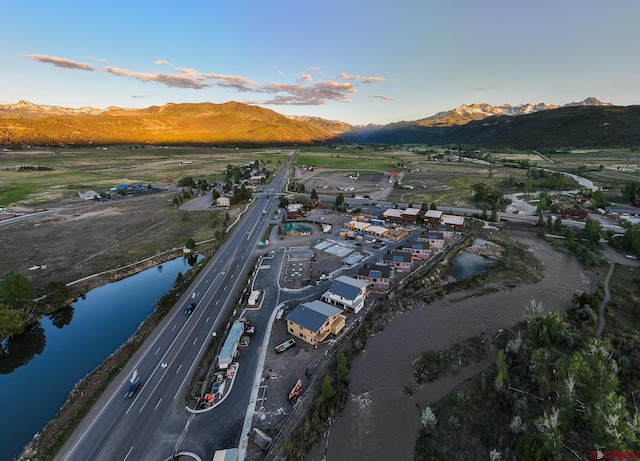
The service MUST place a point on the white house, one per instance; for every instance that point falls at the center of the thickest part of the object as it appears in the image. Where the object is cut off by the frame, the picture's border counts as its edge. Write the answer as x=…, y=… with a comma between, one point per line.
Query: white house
x=347, y=293
x=88, y=195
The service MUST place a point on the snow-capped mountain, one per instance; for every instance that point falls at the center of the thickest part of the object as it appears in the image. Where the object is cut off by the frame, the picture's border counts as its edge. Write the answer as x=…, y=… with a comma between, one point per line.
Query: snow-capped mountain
x=478, y=111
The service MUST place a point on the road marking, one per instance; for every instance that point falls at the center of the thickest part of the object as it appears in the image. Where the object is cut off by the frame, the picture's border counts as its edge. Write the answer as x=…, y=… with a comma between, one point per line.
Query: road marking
x=128, y=453
x=207, y=321
x=217, y=302
x=157, y=404
x=157, y=351
x=178, y=369
x=195, y=341
x=174, y=327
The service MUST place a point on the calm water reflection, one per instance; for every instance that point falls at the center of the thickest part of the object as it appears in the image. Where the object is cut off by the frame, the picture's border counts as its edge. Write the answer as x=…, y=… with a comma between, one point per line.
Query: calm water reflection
x=39, y=368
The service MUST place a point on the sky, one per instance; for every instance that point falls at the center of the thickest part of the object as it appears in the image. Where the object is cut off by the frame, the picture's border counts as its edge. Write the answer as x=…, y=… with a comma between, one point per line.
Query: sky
x=357, y=61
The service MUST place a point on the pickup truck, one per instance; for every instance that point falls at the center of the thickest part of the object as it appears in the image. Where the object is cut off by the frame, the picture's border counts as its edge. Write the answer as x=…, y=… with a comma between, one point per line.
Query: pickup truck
x=285, y=345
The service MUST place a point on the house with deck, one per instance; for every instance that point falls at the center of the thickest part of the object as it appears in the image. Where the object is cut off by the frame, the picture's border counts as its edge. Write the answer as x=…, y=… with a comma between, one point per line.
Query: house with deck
x=347, y=293
x=314, y=321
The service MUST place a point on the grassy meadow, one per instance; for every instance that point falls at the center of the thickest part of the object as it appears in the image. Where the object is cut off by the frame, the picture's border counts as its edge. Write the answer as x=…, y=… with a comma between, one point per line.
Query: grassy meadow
x=37, y=177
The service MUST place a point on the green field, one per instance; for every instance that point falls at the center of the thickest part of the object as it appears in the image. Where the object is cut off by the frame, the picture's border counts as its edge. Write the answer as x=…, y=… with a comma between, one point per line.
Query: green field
x=65, y=172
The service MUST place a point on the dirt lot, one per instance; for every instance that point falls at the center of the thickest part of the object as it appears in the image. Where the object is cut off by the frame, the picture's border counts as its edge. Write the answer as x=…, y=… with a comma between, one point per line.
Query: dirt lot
x=88, y=238
x=330, y=181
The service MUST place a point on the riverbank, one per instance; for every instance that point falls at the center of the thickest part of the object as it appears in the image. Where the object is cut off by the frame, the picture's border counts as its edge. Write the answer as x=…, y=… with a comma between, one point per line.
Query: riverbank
x=380, y=419
x=84, y=394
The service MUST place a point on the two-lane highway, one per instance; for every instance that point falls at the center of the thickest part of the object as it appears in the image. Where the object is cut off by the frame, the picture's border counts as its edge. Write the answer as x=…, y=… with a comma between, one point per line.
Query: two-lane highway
x=148, y=426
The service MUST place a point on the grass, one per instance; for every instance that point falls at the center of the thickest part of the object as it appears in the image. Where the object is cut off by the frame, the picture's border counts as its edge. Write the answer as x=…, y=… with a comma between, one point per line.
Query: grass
x=74, y=170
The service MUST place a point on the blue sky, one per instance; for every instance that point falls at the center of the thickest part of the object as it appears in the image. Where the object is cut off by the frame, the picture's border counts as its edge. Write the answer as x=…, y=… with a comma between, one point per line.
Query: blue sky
x=359, y=61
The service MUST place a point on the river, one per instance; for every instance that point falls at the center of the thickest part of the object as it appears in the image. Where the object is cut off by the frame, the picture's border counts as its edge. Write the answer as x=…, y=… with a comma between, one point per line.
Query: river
x=380, y=421
x=39, y=368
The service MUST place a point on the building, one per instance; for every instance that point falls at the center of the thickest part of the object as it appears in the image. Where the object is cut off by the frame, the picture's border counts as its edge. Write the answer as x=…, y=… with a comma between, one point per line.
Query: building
x=358, y=226
x=256, y=180
x=347, y=293
x=411, y=215
x=575, y=213
x=447, y=232
x=293, y=228
x=89, y=195
x=393, y=214
x=293, y=210
x=376, y=231
x=436, y=240
x=377, y=275
x=433, y=217
x=223, y=201
x=314, y=321
x=399, y=260
x=418, y=250
x=457, y=222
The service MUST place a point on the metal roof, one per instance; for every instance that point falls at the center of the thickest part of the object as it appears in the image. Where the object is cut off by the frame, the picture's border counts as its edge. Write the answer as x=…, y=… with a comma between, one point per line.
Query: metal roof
x=312, y=315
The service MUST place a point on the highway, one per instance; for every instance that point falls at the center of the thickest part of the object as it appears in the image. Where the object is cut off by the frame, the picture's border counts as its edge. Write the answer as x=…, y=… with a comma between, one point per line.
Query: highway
x=153, y=423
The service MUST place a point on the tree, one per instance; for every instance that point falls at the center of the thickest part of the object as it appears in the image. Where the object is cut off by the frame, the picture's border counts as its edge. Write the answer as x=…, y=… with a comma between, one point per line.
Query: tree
x=592, y=230
x=549, y=223
x=17, y=291
x=342, y=367
x=191, y=244
x=433, y=206
x=314, y=194
x=328, y=390
x=10, y=322
x=339, y=201
x=557, y=225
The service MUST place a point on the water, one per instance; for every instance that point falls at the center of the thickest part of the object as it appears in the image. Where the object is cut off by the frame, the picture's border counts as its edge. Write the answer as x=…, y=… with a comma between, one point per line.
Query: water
x=380, y=421
x=467, y=265
x=39, y=368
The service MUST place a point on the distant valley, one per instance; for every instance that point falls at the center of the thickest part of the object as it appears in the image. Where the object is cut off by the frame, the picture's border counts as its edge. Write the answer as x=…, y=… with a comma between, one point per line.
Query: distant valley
x=588, y=123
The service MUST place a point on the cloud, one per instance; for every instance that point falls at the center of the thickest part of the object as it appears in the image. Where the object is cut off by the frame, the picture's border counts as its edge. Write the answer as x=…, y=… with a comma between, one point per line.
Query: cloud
x=173, y=80
x=61, y=62
x=360, y=78
x=318, y=93
x=306, y=92
x=383, y=97
x=314, y=69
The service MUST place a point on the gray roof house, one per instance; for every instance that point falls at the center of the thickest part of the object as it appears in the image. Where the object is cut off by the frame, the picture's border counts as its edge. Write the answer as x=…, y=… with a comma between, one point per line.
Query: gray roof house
x=347, y=293
x=314, y=321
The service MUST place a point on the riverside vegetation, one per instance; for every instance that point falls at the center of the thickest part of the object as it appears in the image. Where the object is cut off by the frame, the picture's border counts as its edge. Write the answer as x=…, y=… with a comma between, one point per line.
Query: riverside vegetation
x=417, y=290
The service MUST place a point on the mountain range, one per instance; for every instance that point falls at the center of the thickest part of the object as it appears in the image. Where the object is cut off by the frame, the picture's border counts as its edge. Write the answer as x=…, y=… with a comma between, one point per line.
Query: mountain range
x=587, y=123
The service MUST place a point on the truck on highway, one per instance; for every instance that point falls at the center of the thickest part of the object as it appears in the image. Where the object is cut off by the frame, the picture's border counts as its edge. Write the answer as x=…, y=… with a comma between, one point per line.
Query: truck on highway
x=264, y=212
